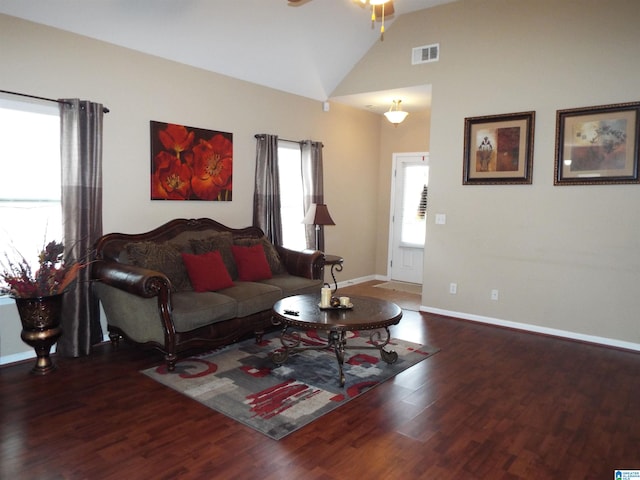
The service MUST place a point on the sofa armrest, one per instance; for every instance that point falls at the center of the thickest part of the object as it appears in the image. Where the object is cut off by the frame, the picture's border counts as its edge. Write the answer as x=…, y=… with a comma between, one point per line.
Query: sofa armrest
x=306, y=263
x=130, y=278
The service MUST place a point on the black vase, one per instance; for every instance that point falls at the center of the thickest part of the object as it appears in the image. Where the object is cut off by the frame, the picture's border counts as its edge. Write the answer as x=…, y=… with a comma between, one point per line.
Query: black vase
x=40, y=317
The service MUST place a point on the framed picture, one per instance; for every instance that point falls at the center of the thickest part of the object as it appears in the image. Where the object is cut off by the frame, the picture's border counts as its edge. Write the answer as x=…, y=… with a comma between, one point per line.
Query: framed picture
x=190, y=163
x=498, y=149
x=597, y=145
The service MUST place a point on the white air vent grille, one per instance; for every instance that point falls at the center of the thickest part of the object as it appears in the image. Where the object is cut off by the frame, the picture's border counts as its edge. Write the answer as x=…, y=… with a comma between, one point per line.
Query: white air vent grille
x=425, y=54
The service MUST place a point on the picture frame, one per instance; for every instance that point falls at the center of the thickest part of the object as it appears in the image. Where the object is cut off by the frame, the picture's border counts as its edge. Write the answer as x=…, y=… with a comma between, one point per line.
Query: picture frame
x=189, y=163
x=498, y=149
x=597, y=145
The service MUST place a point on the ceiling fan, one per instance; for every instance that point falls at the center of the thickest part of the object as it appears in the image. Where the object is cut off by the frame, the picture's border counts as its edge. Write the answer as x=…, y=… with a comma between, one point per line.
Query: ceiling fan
x=379, y=10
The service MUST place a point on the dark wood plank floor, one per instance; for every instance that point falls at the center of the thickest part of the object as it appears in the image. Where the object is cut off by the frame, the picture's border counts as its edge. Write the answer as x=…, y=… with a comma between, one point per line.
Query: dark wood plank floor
x=492, y=404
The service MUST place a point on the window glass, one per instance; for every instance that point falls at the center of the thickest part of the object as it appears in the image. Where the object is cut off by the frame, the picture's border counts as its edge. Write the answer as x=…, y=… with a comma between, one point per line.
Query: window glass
x=291, y=204
x=416, y=180
x=30, y=198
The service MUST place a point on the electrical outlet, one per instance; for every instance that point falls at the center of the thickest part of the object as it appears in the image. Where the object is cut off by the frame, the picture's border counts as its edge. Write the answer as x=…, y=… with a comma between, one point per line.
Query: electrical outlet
x=494, y=294
x=453, y=288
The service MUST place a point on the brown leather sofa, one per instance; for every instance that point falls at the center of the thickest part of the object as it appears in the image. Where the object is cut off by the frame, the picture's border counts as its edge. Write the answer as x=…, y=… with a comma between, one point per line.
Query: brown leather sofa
x=147, y=297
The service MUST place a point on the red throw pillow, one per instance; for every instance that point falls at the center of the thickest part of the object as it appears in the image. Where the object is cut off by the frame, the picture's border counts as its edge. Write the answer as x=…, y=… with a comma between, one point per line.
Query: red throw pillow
x=251, y=262
x=207, y=272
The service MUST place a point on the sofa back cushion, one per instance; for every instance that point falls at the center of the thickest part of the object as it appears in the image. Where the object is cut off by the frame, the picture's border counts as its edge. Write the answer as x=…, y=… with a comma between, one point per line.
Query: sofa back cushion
x=162, y=257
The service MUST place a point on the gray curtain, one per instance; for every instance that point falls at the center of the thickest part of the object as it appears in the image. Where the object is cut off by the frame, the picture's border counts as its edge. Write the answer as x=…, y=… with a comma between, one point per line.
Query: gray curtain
x=312, y=187
x=81, y=150
x=266, y=196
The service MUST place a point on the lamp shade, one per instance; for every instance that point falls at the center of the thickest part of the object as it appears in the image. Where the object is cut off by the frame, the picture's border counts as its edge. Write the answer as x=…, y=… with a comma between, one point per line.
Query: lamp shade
x=318, y=214
x=396, y=116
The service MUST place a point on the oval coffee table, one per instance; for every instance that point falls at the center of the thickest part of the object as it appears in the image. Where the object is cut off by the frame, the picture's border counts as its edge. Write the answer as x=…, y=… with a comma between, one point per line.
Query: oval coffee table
x=302, y=312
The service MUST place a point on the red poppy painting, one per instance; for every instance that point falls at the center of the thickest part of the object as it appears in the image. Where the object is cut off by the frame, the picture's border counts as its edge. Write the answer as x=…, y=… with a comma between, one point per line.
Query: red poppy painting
x=190, y=163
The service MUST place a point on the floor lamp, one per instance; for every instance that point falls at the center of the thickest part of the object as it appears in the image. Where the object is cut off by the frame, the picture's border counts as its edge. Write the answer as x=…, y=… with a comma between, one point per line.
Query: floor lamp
x=317, y=215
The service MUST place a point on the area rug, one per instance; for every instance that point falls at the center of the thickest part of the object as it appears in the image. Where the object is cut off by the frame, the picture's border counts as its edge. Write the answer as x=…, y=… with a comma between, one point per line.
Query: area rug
x=243, y=383
x=402, y=287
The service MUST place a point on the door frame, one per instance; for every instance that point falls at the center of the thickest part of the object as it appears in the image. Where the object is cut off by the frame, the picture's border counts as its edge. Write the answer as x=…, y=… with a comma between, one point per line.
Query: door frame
x=392, y=202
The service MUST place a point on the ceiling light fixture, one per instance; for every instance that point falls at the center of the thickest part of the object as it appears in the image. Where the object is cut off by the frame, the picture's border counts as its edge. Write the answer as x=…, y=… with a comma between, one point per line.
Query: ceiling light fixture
x=395, y=115
x=379, y=9
x=378, y=12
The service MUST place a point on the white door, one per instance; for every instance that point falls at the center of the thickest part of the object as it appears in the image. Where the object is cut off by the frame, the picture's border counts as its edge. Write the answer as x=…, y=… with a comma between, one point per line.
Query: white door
x=408, y=216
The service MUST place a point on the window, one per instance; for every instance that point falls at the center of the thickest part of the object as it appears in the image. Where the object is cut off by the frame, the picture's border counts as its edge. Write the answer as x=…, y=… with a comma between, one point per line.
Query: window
x=30, y=198
x=414, y=204
x=291, y=204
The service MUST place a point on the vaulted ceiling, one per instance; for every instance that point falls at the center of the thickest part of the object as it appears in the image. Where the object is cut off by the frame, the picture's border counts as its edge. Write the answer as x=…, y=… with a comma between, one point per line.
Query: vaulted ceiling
x=306, y=49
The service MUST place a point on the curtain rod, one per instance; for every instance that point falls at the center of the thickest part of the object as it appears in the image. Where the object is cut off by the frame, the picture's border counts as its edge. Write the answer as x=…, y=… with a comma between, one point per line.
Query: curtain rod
x=259, y=135
x=104, y=109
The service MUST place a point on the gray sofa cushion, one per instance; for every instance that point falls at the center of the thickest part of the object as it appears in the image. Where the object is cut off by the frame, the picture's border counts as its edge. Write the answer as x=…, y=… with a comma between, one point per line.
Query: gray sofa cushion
x=192, y=310
x=292, y=285
x=253, y=297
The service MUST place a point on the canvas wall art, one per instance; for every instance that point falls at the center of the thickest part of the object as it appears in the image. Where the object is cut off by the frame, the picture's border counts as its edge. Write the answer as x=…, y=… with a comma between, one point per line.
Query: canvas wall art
x=190, y=163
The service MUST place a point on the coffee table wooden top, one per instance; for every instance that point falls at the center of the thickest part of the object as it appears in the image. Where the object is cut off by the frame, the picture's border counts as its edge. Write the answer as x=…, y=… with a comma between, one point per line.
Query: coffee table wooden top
x=367, y=313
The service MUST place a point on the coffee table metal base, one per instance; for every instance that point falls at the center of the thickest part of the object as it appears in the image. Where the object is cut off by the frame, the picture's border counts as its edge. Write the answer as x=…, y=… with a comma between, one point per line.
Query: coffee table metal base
x=291, y=340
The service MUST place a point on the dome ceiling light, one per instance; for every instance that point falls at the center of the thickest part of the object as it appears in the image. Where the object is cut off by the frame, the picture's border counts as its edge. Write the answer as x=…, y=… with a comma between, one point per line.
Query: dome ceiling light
x=395, y=114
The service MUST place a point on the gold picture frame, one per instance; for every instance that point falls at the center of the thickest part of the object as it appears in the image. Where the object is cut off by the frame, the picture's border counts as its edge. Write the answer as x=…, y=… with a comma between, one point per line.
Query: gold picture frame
x=597, y=145
x=498, y=149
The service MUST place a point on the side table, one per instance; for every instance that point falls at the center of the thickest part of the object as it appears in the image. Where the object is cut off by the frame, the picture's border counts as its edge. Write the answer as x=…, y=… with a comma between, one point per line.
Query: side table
x=336, y=266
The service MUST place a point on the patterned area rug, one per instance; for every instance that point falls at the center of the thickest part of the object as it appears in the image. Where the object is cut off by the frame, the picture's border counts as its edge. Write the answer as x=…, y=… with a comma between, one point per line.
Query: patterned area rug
x=243, y=383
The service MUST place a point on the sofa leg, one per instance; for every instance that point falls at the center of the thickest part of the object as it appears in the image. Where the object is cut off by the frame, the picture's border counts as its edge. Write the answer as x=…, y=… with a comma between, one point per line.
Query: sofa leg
x=115, y=339
x=259, y=337
x=171, y=358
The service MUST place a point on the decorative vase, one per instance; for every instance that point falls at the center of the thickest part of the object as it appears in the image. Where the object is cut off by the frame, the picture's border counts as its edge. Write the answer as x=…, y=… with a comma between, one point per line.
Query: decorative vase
x=40, y=317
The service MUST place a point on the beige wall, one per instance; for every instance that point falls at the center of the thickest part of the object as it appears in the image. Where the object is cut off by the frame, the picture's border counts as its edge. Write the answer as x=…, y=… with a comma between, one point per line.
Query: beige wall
x=565, y=259
x=138, y=88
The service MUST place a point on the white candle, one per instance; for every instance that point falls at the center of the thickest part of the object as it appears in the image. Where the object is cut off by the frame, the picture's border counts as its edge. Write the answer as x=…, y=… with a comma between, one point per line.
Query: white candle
x=325, y=297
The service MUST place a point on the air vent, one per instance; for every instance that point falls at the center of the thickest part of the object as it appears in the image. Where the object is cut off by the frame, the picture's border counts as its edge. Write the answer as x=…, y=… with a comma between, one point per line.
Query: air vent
x=425, y=54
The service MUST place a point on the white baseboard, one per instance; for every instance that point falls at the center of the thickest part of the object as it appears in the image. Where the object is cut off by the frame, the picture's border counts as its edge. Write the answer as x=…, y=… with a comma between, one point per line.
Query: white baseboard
x=355, y=281
x=611, y=342
x=18, y=357
x=29, y=354
x=368, y=278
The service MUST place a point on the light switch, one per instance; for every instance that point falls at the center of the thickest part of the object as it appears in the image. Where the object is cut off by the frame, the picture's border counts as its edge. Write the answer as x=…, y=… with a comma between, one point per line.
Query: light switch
x=441, y=218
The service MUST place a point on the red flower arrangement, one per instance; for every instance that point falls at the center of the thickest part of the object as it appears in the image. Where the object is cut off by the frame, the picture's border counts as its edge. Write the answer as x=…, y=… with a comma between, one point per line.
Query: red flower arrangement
x=51, y=278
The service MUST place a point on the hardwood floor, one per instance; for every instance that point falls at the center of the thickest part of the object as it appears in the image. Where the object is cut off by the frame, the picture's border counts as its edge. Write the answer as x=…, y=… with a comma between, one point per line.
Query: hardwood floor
x=492, y=404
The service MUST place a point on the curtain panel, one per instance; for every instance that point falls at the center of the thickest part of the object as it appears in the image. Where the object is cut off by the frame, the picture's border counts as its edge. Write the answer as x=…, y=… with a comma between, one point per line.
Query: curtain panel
x=81, y=151
x=312, y=187
x=266, y=196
